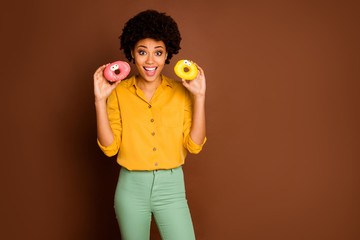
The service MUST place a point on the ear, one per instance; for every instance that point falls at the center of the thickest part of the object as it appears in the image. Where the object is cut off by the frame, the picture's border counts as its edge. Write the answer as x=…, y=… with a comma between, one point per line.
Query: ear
x=132, y=54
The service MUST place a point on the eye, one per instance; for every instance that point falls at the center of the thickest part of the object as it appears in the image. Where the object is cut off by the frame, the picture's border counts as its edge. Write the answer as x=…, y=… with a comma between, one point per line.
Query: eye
x=112, y=68
x=141, y=52
x=116, y=67
x=159, y=53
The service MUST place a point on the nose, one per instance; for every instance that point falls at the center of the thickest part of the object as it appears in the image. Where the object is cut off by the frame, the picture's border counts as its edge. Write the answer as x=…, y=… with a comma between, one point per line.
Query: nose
x=149, y=59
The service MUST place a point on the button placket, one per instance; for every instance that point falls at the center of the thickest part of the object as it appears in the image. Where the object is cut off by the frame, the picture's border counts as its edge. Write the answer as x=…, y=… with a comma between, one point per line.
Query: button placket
x=152, y=121
x=152, y=130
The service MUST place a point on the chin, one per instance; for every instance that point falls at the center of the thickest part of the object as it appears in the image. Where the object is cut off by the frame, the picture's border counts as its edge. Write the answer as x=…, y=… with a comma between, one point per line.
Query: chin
x=150, y=78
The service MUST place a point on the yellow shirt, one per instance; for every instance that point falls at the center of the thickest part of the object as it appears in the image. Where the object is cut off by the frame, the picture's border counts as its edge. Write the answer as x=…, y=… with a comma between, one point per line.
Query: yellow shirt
x=150, y=135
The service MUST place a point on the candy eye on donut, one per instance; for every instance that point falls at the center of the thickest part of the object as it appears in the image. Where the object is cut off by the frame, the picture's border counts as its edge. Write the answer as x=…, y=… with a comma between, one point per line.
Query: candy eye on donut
x=114, y=67
x=187, y=63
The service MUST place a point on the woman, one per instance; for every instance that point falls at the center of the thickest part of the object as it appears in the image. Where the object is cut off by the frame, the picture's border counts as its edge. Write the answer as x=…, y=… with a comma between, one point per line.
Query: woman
x=151, y=122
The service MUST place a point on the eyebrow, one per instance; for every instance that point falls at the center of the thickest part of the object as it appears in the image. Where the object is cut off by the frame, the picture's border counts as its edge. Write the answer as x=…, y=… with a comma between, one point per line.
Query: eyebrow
x=146, y=47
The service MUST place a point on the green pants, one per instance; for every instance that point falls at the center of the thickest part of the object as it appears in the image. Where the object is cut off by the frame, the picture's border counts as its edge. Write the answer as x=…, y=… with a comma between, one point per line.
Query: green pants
x=161, y=193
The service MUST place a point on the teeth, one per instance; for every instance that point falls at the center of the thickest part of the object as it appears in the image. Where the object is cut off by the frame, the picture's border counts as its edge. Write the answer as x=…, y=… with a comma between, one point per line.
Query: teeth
x=150, y=69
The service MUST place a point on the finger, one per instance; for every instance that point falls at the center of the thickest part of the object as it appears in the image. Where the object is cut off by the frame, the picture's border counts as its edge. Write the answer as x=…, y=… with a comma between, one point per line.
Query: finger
x=100, y=69
x=199, y=68
x=201, y=71
x=103, y=69
x=194, y=63
x=96, y=72
x=115, y=84
x=185, y=83
x=97, y=76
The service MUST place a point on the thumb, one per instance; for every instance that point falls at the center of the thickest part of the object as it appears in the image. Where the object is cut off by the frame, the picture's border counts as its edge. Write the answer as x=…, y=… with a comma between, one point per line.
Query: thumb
x=115, y=85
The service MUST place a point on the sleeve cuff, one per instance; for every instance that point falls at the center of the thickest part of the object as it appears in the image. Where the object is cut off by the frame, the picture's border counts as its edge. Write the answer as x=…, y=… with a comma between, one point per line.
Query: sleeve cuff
x=193, y=147
x=110, y=150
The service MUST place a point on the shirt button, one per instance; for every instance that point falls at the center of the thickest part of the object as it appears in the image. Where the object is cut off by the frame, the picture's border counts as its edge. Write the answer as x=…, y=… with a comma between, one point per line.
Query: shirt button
x=149, y=106
x=154, y=149
x=153, y=133
x=152, y=120
x=156, y=164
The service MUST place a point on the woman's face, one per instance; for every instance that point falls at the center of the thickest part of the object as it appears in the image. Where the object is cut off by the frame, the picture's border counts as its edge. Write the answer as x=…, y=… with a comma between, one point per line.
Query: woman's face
x=150, y=56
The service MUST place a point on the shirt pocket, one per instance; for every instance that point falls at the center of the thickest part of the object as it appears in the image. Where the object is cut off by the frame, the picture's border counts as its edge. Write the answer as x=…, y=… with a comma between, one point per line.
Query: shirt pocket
x=171, y=116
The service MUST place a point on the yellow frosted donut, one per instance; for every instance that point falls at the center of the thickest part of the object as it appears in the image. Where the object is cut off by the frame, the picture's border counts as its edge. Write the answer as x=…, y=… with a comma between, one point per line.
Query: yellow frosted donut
x=185, y=64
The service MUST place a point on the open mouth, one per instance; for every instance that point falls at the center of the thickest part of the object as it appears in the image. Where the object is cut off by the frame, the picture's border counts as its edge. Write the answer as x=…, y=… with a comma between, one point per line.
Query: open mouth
x=150, y=71
x=150, y=68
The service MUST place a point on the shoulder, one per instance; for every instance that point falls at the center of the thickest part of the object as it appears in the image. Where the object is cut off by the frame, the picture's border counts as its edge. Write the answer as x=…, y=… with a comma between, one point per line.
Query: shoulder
x=125, y=84
x=175, y=85
x=178, y=89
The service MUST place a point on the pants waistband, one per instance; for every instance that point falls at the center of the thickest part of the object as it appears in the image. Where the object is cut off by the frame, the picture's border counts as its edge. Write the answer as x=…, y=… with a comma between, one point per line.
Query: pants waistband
x=152, y=171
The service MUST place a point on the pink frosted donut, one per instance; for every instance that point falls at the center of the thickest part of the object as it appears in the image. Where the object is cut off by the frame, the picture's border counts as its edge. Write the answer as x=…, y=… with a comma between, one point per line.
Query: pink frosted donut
x=117, y=71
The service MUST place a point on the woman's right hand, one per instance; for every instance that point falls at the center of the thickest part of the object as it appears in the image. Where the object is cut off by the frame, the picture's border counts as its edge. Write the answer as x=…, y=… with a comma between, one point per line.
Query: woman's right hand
x=102, y=88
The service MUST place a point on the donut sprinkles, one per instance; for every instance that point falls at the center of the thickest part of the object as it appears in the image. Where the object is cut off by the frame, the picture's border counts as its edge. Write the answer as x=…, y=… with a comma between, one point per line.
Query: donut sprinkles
x=117, y=71
x=183, y=65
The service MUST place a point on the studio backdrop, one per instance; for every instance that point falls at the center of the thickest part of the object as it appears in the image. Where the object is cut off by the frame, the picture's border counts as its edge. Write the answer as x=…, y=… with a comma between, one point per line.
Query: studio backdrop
x=282, y=103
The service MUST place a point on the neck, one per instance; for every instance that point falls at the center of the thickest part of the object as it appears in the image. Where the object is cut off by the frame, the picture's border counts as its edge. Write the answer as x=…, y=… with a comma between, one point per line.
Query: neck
x=146, y=85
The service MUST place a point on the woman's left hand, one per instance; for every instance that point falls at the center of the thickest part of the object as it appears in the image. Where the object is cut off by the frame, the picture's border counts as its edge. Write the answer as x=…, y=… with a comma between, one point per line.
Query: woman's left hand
x=196, y=86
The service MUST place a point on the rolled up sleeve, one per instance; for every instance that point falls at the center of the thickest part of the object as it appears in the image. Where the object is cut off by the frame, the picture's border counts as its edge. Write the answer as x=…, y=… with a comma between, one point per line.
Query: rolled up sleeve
x=189, y=144
x=192, y=147
x=114, y=116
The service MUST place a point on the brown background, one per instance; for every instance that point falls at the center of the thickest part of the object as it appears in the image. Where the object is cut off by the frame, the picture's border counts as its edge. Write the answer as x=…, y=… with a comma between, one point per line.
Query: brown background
x=283, y=112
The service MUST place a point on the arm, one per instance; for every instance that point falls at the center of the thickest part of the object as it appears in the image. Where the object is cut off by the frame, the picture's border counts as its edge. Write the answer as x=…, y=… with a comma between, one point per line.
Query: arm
x=102, y=90
x=104, y=132
x=198, y=130
x=197, y=87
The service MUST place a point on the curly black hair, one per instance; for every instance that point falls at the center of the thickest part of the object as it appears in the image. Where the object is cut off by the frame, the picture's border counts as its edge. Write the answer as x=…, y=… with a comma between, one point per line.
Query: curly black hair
x=151, y=24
